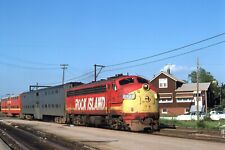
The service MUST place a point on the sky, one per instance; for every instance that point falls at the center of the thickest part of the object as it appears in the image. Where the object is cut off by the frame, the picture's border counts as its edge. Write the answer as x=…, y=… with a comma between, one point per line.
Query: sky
x=37, y=36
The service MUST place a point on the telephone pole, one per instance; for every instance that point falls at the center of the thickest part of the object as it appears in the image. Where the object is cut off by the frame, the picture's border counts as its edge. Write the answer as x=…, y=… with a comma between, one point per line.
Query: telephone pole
x=221, y=91
x=197, y=74
x=95, y=71
x=63, y=67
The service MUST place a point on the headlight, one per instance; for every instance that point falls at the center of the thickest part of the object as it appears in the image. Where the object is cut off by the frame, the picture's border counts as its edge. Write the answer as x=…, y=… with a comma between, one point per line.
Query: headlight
x=146, y=86
x=155, y=95
x=129, y=96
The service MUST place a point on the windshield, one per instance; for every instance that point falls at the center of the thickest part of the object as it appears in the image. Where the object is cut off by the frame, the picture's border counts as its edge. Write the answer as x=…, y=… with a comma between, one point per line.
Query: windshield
x=126, y=81
x=142, y=80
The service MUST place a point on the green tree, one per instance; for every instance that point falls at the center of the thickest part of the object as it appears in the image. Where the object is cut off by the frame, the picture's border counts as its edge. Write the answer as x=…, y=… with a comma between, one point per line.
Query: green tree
x=223, y=95
x=205, y=76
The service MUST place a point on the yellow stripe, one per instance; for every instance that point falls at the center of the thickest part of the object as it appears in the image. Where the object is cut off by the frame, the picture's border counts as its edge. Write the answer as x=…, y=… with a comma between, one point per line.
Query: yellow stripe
x=15, y=109
x=11, y=109
x=115, y=108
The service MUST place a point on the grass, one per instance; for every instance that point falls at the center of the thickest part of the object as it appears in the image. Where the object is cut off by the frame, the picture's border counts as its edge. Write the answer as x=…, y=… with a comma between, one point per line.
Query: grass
x=204, y=124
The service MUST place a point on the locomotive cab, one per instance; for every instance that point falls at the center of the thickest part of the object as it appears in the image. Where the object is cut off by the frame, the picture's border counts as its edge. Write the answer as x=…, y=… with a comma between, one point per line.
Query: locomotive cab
x=139, y=104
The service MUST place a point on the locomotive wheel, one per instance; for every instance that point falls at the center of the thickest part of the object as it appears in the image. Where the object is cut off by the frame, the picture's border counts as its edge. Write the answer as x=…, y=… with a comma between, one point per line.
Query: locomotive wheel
x=118, y=124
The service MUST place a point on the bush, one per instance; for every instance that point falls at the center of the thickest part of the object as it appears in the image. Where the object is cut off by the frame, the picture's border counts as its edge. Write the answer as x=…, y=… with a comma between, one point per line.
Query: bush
x=201, y=124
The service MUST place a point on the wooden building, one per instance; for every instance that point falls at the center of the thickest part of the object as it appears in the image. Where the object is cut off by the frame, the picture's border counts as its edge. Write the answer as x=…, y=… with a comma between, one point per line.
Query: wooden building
x=178, y=97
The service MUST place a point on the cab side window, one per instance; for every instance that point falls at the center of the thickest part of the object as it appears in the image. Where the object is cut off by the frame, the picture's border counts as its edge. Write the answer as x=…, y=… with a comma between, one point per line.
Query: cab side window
x=114, y=87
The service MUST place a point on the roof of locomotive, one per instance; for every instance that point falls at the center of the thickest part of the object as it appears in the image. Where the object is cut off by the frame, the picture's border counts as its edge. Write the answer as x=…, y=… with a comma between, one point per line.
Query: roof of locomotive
x=103, y=81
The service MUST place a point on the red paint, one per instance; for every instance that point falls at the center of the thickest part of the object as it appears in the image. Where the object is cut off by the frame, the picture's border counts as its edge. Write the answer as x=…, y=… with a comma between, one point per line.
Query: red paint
x=11, y=105
x=80, y=104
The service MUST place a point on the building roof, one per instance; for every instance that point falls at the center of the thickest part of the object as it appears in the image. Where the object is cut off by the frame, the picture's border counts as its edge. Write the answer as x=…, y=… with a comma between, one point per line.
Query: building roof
x=169, y=75
x=193, y=87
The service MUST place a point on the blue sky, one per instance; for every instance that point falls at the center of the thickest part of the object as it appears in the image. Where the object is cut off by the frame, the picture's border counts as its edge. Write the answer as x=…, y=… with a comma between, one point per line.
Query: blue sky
x=37, y=36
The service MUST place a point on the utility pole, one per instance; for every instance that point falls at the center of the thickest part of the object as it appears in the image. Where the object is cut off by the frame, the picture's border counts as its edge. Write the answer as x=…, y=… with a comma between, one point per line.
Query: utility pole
x=221, y=93
x=63, y=67
x=95, y=71
x=197, y=74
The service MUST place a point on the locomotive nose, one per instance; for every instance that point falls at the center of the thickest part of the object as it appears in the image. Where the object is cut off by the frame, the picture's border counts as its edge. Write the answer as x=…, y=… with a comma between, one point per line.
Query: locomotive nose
x=146, y=87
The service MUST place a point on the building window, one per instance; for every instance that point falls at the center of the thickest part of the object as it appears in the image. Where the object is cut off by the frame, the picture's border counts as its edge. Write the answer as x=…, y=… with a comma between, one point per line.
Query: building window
x=163, y=83
x=164, y=111
x=165, y=100
x=195, y=94
x=184, y=100
x=187, y=110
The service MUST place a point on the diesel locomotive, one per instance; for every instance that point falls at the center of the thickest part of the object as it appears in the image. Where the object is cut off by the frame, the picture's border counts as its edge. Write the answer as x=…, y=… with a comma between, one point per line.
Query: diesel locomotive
x=11, y=105
x=120, y=102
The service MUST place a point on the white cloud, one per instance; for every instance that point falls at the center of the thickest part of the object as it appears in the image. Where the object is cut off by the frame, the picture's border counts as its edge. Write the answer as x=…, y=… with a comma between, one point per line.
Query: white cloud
x=174, y=68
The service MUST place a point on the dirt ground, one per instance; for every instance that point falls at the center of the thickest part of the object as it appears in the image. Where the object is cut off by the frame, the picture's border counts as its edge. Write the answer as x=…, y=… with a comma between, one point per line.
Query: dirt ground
x=105, y=139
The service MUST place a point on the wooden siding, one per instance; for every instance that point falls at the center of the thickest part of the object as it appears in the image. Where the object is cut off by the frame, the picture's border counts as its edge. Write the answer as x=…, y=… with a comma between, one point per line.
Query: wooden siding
x=173, y=107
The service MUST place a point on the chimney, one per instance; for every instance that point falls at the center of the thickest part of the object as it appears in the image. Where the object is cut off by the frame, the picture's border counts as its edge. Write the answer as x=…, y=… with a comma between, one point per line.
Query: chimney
x=168, y=70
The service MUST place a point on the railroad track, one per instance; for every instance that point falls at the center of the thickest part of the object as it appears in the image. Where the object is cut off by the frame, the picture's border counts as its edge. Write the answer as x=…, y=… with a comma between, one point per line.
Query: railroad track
x=21, y=138
x=195, y=134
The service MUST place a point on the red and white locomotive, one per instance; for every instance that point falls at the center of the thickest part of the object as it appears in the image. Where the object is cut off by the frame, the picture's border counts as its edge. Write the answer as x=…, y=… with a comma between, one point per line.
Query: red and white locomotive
x=122, y=102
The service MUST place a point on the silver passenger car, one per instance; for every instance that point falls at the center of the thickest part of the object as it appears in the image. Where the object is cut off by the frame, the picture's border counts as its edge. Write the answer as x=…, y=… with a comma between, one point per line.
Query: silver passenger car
x=46, y=103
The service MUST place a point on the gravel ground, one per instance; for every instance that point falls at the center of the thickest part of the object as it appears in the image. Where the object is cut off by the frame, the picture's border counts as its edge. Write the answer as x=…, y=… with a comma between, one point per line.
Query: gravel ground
x=105, y=139
x=3, y=146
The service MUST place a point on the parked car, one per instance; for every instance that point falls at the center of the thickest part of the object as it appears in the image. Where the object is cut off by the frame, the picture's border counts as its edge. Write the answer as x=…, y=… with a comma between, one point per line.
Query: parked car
x=217, y=115
x=191, y=116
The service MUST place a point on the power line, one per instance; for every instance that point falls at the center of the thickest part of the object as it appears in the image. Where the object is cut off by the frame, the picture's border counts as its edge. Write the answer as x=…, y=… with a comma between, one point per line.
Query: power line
x=90, y=73
x=80, y=77
x=166, y=52
x=162, y=59
x=155, y=55
x=27, y=67
x=95, y=70
x=27, y=61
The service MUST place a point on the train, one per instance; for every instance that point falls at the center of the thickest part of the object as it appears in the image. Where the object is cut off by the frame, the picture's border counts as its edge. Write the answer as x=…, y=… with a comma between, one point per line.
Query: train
x=121, y=102
x=11, y=105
